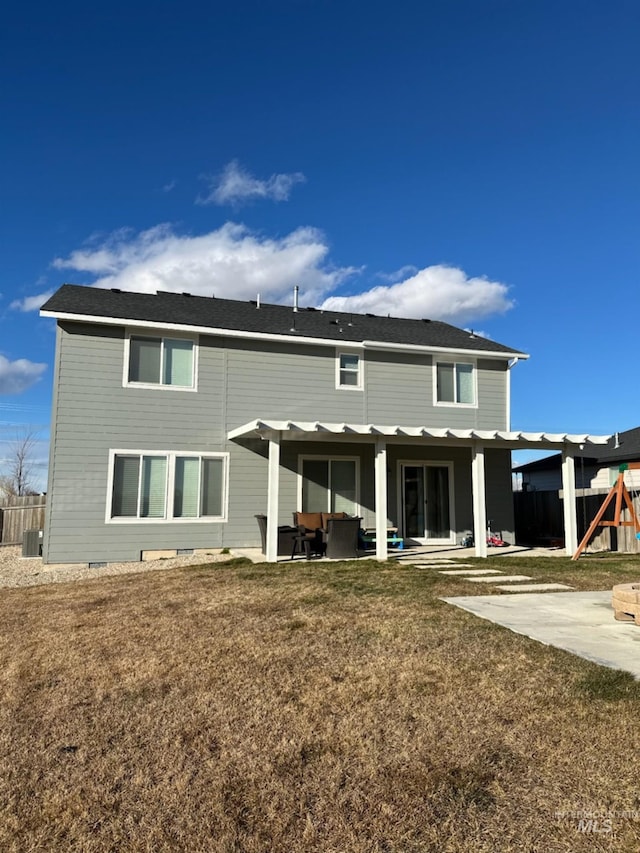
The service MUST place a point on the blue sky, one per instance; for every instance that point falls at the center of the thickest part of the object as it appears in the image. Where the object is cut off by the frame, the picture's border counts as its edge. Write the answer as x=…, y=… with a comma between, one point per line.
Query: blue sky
x=474, y=161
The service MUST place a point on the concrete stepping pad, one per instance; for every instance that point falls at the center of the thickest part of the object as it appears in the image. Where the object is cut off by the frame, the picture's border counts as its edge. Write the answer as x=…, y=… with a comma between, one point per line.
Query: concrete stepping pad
x=498, y=574
x=502, y=579
x=534, y=587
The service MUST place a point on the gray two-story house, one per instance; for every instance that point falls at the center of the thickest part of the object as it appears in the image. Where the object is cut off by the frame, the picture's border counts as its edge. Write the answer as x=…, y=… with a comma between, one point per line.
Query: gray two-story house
x=177, y=418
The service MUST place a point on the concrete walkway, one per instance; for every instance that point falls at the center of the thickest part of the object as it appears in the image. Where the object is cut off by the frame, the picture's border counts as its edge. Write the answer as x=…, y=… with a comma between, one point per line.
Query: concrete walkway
x=578, y=622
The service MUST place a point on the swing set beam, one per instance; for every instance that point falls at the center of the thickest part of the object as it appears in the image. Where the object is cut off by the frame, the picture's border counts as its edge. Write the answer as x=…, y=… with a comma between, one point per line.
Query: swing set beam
x=620, y=492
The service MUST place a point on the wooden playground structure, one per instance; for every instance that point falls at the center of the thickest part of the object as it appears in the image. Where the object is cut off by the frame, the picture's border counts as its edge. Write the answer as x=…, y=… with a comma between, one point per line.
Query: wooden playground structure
x=621, y=493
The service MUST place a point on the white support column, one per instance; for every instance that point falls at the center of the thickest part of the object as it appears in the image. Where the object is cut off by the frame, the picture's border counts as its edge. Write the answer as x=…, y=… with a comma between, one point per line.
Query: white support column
x=479, y=500
x=273, y=497
x=569, y=503
x=381, y=499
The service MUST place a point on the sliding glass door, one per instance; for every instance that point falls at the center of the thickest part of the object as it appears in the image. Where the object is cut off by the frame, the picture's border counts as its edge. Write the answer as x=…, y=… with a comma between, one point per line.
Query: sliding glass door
x=427, y=505
x=329, y=485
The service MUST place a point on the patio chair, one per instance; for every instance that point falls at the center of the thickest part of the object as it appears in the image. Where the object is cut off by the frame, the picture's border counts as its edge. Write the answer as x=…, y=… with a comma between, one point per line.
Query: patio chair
x=341, y=538
x=309, y=533
x=286, y=535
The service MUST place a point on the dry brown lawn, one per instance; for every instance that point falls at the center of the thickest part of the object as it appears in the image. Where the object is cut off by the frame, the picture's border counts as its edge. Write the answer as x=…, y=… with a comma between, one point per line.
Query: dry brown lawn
x=305, y=707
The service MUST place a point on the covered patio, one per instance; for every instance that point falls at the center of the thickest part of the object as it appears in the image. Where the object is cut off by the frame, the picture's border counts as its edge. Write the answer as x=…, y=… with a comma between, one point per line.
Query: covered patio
x=383, y=437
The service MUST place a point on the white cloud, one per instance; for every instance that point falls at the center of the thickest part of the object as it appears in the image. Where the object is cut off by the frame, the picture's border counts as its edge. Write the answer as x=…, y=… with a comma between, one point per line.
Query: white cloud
x=31, y=303
x=398, y=275
x=236, y=185
x=437, y=292
x=236, y=263
x=229, y=262
x=17, y=376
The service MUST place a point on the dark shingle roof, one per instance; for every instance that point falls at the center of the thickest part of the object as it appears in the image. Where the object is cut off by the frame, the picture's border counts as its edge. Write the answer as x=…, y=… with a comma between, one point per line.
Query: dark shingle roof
x=202, y=311
x=622, y=447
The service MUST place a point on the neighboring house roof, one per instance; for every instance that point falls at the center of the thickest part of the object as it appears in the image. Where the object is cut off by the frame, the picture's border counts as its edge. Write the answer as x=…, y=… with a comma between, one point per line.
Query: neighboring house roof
x=621, y=447
x=211, y=315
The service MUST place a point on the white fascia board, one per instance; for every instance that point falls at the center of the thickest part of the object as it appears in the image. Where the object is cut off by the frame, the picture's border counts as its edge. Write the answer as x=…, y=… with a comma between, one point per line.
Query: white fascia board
x=517, y=356
x=267, y=336
x=201, y=330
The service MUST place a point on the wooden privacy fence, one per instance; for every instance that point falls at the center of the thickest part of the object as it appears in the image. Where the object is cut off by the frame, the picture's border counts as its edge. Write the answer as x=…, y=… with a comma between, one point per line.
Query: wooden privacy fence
x=539, y=520
x=20, y=514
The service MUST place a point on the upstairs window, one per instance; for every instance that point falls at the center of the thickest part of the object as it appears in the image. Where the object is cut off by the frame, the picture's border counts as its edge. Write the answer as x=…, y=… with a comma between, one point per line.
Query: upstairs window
x=348, y=370
x=166, y=362
x=455, y=383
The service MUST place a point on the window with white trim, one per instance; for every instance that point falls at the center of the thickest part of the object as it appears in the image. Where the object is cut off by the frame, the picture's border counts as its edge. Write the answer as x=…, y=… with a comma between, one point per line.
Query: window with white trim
x=329, y=484
x=167, y=486
x=165, y=362
x=349, y=370
x=455, y=383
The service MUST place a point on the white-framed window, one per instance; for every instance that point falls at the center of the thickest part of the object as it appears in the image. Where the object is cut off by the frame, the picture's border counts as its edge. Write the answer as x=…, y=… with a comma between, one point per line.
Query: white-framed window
x=455, y=383
x=349, y=371
x=155, y=361
x=174, y=486
x=329, y=484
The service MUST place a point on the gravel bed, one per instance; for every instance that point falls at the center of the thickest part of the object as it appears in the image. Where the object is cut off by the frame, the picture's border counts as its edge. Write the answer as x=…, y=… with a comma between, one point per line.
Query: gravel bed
x=16, y=570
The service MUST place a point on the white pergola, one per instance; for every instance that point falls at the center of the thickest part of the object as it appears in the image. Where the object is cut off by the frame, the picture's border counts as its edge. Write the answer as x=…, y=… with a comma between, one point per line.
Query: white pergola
x=276, y=431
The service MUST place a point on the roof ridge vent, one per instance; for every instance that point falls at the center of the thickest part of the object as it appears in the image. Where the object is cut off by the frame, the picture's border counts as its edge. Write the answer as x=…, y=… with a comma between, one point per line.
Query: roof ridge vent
x=116, y=290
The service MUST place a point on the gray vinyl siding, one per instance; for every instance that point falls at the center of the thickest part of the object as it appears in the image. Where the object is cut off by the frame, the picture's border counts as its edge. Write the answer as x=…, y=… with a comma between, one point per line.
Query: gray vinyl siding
x=399, y=390
x=285, y=381
x=499, y=492
x=94, y=414
x=238, y=381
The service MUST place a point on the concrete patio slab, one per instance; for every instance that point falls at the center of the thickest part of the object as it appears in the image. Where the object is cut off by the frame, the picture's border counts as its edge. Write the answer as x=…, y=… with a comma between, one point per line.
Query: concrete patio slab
x=432, y=561
x=501, y=578
x=578, y=622
x=495, y=572
x=534, y=587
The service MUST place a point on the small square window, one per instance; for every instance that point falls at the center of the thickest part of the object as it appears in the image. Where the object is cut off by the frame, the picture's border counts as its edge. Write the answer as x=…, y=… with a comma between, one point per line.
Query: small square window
x=349, y=370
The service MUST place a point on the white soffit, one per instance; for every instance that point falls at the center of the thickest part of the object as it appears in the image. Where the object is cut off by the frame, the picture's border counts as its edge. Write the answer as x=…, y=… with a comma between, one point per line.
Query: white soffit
x=291, y=429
